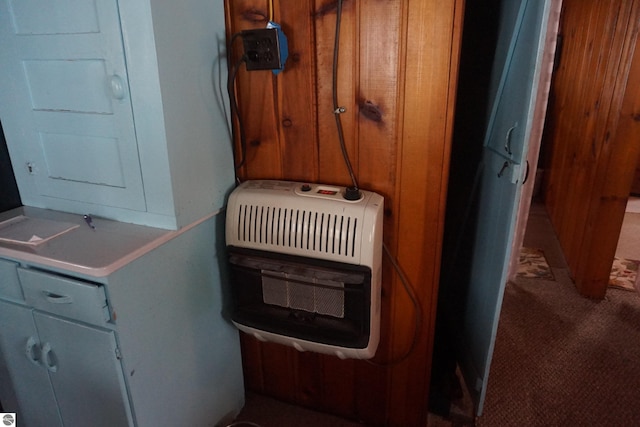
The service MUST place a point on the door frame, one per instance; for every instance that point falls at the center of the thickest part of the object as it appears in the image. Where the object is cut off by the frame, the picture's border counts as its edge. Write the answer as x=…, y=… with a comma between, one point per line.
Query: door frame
x=535, y=140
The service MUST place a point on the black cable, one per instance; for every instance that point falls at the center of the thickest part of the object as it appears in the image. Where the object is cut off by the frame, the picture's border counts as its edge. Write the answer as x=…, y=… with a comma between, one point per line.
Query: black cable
x=234, y=111
x=417, y=312
x=336, y=109
x=231, y=77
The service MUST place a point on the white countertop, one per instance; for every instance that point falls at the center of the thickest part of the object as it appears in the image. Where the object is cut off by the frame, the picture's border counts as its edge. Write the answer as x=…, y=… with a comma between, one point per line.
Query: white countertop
x=95, y=252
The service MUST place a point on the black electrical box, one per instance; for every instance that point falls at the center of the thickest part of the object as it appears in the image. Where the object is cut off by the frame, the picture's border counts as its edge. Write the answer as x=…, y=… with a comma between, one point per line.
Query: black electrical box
x=262, y=49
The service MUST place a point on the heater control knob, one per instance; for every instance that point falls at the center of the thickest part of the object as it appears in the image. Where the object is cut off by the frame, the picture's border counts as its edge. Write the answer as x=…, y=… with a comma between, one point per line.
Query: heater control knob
x=352, y=193
x=305, y=187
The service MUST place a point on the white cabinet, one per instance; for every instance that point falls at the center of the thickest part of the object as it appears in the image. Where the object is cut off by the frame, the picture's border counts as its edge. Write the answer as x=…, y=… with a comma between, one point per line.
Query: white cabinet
x=59, y=351
x=118, y=326
x=115, y=108
x=57, y=363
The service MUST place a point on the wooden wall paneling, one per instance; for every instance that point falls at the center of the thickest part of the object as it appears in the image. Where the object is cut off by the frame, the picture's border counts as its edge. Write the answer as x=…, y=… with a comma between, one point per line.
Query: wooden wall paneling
x=378, y=94
x=595, y=106
x=589, y=85
x=579, y=106
x=280, y=371
x=397, y=77
x=574, y=63
x=377, y=100
x=579, y=63
x=310, y=380
x=599, y=135
x=332, y=169
x=296, y=93
x=432, y=31
x=607, y=73
x=338, y=391
x=584, y=152
x=252, y=363
x=558, y=106
x=616, y=161
x=256, y=97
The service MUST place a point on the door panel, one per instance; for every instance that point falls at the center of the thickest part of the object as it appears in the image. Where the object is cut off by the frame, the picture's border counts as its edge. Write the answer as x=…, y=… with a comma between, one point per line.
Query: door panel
x=19, y=345
x=67, y=86
x=85, y=372
x=59, y=17
x=70, y=126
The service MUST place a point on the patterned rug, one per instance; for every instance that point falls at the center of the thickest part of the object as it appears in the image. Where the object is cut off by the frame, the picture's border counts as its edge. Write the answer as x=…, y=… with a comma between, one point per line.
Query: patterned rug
x=624, y=273
x=534, y=265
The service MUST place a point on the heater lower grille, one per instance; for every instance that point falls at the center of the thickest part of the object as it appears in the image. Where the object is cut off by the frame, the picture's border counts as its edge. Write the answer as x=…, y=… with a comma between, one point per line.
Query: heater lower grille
x=319, y=301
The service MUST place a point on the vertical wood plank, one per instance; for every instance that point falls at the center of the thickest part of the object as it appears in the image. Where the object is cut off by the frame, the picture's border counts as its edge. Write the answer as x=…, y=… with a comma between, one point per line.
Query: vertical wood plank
x=427, y=122
x=338, y=388
x=310, y=381
x=251, y=363
x=256, y=97
x=597, y=129
x=332, y=167
x=615, y=166
x=377, y=98
x=280, y=371
x=297, y=112
x=586, y=196
x=377, y=95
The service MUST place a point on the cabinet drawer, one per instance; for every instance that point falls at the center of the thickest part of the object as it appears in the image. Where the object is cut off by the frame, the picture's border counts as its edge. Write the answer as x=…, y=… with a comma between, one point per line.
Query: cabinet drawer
x=9, y=284
x=67, y=297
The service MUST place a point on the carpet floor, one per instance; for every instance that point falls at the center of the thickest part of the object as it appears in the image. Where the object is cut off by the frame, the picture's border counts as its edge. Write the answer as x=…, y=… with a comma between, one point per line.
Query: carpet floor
x=561, y=359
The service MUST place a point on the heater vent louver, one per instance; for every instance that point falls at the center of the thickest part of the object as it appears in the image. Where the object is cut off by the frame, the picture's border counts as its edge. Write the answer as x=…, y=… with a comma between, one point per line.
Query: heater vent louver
x=305, y=230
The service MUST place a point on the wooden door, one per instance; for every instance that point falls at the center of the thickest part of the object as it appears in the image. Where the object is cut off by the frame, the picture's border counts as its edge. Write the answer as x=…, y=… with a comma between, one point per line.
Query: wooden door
x=592, y=135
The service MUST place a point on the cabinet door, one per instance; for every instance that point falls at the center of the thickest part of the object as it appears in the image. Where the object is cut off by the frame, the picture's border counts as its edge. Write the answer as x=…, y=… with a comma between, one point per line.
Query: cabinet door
x=85, y=372
x=28, y=381
x=65, y=105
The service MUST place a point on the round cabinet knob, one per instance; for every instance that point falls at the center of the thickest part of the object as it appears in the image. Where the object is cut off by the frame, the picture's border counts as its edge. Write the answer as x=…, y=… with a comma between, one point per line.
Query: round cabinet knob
x=117, y=87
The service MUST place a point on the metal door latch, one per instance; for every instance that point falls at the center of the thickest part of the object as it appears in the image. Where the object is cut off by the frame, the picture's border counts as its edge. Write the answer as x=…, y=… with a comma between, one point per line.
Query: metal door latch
x=505, y=165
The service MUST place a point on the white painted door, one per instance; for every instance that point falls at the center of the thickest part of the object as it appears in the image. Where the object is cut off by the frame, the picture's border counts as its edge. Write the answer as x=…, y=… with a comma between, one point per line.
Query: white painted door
x=85, y=372
x=515, y=86
x=29, y=381
x=68, y=122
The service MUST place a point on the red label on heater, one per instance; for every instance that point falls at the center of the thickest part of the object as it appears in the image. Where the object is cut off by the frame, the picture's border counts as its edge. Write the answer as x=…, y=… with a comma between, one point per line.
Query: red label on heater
x=328, y=192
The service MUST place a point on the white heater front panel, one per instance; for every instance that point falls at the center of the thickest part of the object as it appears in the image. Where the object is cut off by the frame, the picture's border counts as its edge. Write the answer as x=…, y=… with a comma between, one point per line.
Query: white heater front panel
x=297, y=251
x=280, y=216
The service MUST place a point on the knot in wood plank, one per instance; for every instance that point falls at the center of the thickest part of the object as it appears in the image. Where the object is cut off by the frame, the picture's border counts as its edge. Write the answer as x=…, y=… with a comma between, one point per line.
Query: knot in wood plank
x=370, y=111
x=255, y=16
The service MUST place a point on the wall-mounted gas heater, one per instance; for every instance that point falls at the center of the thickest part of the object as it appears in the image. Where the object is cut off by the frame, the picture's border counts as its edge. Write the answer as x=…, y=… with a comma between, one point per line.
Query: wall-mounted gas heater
x=305, y=266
